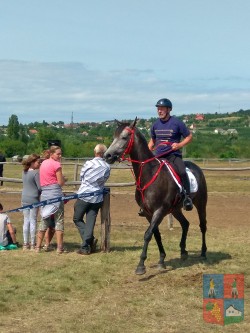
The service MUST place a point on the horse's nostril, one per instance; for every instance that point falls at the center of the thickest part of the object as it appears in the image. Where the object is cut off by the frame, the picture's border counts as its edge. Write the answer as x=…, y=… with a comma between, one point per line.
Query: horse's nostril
x=107, y=156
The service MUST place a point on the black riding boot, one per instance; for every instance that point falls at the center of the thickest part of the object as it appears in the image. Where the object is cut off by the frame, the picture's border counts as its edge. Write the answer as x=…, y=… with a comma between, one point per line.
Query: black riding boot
x=187, y=202
x=141, y=212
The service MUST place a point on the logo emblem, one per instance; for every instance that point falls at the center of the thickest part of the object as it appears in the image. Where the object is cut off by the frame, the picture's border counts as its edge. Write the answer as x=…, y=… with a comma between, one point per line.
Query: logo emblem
x=223, y=298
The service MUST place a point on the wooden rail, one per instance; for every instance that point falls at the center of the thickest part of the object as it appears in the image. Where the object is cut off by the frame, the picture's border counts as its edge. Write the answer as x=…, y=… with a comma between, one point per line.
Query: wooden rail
x=105, y=209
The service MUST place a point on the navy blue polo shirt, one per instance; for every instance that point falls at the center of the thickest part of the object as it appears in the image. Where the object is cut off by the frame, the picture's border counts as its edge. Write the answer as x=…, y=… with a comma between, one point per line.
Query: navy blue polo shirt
x=165, y=133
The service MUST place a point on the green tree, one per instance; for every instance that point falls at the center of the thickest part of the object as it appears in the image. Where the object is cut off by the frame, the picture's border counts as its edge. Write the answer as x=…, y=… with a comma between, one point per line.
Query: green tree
x=13, y=127
x=13, y=147
x=23, y=136
x=44, y=135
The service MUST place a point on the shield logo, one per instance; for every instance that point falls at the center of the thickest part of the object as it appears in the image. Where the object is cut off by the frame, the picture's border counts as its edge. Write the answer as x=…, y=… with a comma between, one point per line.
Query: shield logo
x=223, y=298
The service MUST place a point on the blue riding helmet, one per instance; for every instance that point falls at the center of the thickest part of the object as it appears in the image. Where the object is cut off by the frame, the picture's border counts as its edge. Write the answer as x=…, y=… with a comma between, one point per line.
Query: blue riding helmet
x=164, y=102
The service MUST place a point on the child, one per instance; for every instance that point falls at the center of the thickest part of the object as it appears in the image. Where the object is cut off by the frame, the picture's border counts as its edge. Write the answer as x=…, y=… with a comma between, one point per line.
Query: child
x=7, y=232
x=30, y=194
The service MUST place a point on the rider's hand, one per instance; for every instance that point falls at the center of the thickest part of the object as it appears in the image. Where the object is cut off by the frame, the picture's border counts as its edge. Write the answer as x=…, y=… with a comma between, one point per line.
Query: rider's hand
x=175, y=146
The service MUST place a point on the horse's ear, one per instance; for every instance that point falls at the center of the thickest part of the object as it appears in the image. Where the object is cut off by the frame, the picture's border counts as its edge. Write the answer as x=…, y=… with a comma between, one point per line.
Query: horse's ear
x=133, y=124
x=118, y=122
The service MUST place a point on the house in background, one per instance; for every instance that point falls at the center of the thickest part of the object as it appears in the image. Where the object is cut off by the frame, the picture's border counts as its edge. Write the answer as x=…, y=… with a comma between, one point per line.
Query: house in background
x=199, y=116
x=33, y=131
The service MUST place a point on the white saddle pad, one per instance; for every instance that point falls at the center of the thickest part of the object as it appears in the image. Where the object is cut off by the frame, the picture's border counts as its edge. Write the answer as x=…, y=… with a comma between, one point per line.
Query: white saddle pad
x=193, y=181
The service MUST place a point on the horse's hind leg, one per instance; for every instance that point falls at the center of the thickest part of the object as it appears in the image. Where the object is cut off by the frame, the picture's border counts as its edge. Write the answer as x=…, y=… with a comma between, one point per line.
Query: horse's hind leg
x=203, y=227
x=157, y=235
x=200, y=202
x=185, y=226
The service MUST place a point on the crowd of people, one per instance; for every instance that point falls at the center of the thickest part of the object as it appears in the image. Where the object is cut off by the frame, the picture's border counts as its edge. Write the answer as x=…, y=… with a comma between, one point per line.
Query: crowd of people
x=43, y=179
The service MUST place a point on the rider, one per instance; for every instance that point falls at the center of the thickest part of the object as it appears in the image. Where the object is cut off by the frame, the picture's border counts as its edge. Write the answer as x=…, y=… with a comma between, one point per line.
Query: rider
x=166, y=134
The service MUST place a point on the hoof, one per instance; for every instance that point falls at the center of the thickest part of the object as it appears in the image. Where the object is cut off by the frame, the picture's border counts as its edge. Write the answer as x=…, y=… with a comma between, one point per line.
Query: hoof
x=184, y=255
x=140, y=270
x=161, y=267
x=203, y=257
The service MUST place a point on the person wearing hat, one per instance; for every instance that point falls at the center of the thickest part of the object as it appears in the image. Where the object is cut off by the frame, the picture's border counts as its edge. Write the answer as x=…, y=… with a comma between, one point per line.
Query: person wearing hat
x=168, y=136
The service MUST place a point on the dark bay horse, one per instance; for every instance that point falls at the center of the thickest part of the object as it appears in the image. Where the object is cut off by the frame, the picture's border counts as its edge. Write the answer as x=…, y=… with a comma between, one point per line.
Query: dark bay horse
x=156, y=191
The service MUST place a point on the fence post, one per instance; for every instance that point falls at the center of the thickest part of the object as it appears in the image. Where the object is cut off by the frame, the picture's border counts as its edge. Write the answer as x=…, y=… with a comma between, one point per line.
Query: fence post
x=76, y=173
x=105, y=222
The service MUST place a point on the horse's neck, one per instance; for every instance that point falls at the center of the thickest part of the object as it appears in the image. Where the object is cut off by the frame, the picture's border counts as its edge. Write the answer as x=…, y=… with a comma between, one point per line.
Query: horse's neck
x=141, y=153
x=140, y=150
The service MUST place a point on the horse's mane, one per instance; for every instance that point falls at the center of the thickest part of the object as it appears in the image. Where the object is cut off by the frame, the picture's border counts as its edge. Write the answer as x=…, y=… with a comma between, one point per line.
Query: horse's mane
x=120, y=128
x=123, y=125
x=142, y=136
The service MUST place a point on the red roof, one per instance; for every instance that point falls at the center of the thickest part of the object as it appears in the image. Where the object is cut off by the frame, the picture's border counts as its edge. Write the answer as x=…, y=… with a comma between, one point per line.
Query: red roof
x=199, y=116
x=33, y=131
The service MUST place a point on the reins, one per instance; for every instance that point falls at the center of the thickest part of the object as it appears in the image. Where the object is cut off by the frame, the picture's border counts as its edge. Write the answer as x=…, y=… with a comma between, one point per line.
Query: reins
x=130, y=145
x=141, y=164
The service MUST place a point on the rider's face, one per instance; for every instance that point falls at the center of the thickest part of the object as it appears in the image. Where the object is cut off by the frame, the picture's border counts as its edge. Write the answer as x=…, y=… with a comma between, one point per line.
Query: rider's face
x=163, y=112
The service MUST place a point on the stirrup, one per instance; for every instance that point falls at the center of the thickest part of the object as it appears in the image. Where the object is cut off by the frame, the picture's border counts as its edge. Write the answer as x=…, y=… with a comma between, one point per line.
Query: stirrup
x=141, y=212
x=187, y=203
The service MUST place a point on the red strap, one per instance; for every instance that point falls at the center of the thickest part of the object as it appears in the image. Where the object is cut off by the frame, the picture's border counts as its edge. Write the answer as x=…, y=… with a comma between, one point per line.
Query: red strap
x=138, y=182
x=173, y=171
x=162, y=143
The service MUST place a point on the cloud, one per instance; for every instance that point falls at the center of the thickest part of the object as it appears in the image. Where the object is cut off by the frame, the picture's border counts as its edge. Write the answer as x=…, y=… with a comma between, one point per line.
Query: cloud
x=52, y=91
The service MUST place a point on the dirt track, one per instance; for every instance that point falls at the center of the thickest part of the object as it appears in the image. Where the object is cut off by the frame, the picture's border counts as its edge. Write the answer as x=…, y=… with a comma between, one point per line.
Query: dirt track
x=223, y=209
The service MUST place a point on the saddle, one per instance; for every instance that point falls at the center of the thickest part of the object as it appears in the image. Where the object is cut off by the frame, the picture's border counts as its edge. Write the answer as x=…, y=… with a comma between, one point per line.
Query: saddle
x=192, y=180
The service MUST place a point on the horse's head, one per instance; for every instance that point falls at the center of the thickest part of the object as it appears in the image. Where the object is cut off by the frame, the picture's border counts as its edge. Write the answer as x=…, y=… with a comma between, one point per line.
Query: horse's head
x=121, y=142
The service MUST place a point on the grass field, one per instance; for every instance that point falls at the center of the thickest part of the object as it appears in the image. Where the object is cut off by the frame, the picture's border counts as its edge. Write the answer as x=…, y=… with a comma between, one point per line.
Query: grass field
x=100, y=293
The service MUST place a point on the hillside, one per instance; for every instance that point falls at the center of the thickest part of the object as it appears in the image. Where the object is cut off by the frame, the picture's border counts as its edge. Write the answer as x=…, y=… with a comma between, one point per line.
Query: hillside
x=214, y=135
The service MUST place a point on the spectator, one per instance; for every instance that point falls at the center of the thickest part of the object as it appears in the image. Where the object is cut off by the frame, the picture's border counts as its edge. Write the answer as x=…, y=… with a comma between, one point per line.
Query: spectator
x=45, y=155
x=52, y=180
x=30, y=194
x=7, y=232
x=49, y=234
x=93, y=177
x=2, y=159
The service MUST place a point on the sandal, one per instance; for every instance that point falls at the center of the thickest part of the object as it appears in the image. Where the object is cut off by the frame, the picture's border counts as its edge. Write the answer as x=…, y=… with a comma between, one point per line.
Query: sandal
x=26, y=246
x=62, y=250
x=32, y=247
x=48, y=248
x=38, y=249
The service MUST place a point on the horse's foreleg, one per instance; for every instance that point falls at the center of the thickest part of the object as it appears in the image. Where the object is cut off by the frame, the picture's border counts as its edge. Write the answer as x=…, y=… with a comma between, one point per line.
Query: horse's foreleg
x=154, y=221
x=185, y=226
x=157, y=235
x=141, y=269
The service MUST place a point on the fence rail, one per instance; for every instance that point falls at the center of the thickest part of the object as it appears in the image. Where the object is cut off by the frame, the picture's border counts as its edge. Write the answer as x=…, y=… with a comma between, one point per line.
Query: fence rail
x=105, y=210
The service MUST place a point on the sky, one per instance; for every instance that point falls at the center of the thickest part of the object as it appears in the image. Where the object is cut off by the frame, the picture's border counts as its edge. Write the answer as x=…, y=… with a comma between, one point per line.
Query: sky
x=114, y=59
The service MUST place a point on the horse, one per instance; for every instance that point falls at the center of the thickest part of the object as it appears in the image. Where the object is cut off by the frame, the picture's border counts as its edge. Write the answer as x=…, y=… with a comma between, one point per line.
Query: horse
x=157, y=193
